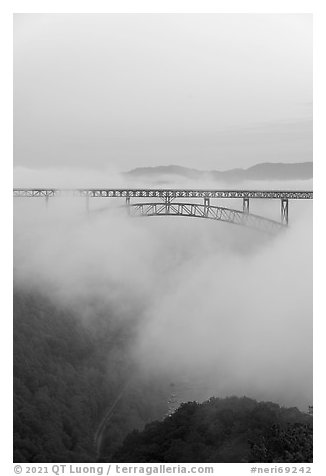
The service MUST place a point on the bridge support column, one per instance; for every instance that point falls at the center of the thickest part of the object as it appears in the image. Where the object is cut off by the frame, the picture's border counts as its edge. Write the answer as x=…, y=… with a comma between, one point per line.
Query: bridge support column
x=87, y=204
x=285, y=211
x=46, y=201
x=246, y=205
x=128, y=205
x=206, y=205
x=167, y=204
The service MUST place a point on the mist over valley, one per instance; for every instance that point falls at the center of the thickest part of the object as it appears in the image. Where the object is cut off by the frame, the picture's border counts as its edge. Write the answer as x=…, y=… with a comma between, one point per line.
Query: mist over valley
x=167, y=305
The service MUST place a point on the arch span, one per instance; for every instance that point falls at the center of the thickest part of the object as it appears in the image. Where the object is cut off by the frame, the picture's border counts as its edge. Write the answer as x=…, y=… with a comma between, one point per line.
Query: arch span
x=229, y=215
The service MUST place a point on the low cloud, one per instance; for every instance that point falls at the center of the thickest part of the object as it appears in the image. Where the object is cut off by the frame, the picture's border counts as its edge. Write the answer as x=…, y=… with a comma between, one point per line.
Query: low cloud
x=222, y=307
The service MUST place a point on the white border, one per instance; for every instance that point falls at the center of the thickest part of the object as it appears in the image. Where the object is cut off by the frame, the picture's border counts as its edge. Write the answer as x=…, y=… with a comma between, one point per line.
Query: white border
x=203, y=6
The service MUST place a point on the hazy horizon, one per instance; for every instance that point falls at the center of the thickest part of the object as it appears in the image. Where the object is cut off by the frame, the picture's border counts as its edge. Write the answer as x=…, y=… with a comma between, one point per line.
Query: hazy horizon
x=73, y=177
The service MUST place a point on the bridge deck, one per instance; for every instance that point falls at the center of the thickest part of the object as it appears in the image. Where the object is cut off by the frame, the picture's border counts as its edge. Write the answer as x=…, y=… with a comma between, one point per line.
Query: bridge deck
x=163, y=193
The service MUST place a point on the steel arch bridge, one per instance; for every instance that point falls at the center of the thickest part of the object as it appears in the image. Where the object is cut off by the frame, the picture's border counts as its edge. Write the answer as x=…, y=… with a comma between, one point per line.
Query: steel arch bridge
x=229, y=215
x=166, y=206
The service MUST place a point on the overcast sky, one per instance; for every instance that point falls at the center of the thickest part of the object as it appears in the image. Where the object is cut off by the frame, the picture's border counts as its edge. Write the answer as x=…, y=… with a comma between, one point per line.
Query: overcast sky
x=119, y=91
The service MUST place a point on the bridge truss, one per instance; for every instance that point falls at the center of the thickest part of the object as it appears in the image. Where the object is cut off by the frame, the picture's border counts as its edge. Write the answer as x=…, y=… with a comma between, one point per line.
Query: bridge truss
x=228, y=215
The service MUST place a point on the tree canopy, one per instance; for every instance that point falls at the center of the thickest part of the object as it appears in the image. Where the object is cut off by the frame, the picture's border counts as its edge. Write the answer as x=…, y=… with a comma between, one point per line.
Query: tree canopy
x=223, y=430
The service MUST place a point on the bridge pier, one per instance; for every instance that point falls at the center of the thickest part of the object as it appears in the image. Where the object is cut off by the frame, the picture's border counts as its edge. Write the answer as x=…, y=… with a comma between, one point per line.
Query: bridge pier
x=128, y=204
x=246, y=205
x=87, y=204
x=167, y=204
x=206, y=205
x=46, y=201
x=285, y=211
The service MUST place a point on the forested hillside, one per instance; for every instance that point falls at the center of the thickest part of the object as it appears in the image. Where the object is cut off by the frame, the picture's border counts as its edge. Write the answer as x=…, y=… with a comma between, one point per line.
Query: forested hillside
x=69, y=373
x=66, y=374
x=223, y=430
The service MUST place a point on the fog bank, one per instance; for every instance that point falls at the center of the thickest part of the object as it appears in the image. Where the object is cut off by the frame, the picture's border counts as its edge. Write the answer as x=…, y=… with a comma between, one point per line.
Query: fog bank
x=224, y=308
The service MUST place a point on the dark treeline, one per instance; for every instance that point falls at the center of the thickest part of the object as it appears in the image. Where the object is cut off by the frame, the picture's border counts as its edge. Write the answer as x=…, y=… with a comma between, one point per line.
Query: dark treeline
x=67, y=372
x=223, y=430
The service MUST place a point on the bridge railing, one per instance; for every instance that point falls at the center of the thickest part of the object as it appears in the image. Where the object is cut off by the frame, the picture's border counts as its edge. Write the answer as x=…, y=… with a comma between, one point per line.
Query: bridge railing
x=163, y=193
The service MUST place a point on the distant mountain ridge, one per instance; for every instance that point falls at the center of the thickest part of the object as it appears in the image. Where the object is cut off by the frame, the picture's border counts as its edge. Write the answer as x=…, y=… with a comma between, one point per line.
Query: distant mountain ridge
x=263, y=171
